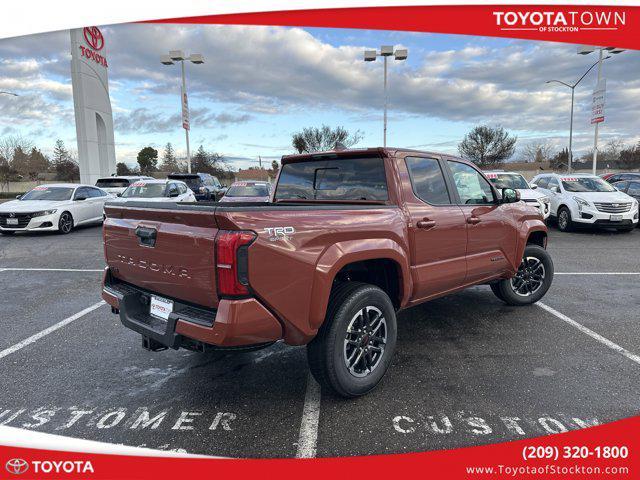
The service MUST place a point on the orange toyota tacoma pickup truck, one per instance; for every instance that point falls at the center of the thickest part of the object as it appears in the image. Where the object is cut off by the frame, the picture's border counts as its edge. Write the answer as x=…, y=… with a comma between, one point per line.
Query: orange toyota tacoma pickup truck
x=349, y=238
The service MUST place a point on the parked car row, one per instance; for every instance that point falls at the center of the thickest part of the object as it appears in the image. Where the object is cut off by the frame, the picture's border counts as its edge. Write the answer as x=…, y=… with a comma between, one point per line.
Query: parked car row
x=587, y=200
x=61, y=207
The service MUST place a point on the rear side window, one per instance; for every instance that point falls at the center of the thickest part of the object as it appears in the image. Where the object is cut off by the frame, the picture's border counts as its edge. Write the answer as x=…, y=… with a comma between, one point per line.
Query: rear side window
x=333, y=179
x=427, y=180
x=542, y=182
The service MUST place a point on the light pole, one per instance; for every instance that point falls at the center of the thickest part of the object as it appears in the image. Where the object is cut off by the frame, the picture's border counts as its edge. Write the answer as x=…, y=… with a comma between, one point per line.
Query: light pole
x=385, y=52
x=573, y=88
x=585, y=50
x=179, y=56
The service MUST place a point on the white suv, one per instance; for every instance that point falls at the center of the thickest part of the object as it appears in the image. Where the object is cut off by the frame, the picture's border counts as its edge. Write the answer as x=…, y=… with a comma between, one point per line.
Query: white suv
x=528, y=194
x=587, y=200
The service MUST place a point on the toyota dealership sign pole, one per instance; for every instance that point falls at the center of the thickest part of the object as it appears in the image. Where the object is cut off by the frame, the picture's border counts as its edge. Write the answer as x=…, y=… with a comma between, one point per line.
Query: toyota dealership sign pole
x=92, y=105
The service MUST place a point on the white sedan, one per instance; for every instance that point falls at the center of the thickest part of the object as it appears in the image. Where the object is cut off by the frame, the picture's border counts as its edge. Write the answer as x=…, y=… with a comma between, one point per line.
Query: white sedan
x=157, y=191
x=53, y=207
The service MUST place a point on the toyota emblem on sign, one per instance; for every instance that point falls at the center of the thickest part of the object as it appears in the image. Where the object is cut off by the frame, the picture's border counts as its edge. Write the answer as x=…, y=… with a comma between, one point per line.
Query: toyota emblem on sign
x=94, y=37
x=17, y=466
x=12, y=214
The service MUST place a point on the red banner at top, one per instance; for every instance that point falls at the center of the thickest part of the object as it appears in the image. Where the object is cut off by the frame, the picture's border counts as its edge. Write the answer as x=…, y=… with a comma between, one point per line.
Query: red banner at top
x=592, y=25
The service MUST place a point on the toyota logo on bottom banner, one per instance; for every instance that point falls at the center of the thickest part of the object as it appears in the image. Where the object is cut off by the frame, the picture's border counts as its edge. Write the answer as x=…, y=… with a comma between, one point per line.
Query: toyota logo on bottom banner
x=16, y=466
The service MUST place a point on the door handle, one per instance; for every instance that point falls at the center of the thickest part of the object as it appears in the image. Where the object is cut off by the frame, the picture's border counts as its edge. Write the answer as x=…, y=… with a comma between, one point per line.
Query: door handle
x=473, y=220
x=426, y=224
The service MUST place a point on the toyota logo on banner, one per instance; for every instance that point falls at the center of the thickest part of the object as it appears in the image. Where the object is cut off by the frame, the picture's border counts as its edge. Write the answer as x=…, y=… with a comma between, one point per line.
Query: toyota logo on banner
x=93, y=37
x=16, y=466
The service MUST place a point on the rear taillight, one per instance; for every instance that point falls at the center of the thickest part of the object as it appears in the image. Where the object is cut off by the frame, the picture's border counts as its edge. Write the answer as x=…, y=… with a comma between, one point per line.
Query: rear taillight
x=232, y=262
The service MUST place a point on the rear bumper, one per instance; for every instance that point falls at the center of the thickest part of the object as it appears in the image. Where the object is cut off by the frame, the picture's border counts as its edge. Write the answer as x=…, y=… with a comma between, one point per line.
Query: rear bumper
x=236, y=323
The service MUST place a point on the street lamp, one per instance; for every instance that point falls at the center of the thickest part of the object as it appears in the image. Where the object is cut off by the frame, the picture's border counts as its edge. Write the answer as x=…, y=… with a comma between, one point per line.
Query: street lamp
x=179, y=56
x=573, y=88
x=2, y=92
x=385, y=52
x=586, y=50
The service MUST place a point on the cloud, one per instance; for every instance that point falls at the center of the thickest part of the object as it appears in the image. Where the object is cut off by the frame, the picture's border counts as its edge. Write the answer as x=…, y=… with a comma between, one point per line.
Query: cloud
x=260, y=71
x=142, y=120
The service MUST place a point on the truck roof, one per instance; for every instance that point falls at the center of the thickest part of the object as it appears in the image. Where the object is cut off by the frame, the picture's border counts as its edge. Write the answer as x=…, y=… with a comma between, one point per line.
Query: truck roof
x=351, y=152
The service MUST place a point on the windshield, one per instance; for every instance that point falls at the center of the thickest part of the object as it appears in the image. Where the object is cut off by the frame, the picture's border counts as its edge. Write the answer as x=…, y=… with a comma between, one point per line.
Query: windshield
x=145, y=190
x=586, y=184
x=333, y=179
x=240, y=190
x=49, y=193
x=112, y=183
x=508, y=180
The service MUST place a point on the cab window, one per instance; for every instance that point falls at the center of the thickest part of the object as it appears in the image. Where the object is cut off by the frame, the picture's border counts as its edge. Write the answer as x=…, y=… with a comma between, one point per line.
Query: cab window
x=472, y=187
x=427, y=180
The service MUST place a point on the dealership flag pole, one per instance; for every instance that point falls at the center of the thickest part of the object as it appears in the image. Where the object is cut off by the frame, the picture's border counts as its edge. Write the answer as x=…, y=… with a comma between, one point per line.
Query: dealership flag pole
x=595, y=138
x=185, y=115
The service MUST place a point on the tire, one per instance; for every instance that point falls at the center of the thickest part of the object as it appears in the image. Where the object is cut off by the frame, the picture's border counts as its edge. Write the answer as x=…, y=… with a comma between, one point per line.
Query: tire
x=526, y=287
x=495, y=288
x=7, y=232
x=336, y=357
x=564, y=220
x=65, y=223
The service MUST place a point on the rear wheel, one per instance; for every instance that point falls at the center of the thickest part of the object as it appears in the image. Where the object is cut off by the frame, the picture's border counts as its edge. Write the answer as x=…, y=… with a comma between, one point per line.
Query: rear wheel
x=355, y=345
x=532, y=280
x=65, y=223
x=564, y=220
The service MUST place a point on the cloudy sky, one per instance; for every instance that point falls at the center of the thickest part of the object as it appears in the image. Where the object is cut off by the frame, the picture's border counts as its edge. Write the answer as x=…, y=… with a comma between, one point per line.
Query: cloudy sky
x=260, y=84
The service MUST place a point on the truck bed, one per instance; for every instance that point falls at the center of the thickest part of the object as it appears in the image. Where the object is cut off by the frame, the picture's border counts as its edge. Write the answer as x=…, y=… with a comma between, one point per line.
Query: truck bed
x=292, y=240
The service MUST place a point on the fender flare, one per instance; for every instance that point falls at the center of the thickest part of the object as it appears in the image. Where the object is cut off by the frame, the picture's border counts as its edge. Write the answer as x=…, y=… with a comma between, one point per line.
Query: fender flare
x=526, y=229
x=340, y=254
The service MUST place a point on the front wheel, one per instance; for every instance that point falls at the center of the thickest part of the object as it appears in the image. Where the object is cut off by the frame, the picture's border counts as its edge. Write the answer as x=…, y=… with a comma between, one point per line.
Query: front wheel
x=564, y=220
x=355, y=345
x=532, y=280
x=65, y=223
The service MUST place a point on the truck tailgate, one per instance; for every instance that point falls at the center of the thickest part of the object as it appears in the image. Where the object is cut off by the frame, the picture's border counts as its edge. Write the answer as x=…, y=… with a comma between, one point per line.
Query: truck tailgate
x=168, y=251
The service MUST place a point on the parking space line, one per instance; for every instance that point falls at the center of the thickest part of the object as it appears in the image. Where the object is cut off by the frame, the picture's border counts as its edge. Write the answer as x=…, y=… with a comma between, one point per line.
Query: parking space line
x=13, y=269
x=596, y=273
x=52, y=328
x=308, y=437
x=605, y=341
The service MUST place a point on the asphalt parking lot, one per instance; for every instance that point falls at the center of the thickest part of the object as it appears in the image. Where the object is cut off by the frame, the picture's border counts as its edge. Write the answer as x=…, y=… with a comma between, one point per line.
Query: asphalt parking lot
x=468, y=369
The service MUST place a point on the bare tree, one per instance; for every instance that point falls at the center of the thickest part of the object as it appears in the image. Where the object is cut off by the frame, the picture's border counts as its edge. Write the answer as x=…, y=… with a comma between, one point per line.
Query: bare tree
x=537, y=151
x=10, y=143
x=314, y=139
x=486, y=145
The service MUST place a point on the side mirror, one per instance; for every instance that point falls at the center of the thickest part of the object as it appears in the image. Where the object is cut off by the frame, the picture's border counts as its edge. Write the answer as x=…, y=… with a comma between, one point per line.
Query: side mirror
x=118, y=194
x=18, y=197
x=555, y=189
x=173, y=193
x=533, y=186
x=80, y=198
x=509, y=195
